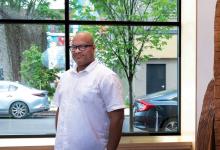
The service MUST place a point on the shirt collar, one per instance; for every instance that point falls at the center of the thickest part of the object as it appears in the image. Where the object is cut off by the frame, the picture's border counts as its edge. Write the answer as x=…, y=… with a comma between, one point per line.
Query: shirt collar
x=89, y=68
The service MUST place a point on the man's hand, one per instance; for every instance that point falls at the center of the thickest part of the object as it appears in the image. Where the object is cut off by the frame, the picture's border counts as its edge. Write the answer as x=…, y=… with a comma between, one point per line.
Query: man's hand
x=116, y=122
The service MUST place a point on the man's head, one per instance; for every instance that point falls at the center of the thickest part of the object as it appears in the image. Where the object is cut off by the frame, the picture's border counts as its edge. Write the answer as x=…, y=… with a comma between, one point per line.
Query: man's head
x=83, y=49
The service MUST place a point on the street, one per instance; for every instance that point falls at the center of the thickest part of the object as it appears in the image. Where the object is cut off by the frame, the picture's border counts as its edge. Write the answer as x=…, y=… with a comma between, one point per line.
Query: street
x=29, y=126
x=35, y=125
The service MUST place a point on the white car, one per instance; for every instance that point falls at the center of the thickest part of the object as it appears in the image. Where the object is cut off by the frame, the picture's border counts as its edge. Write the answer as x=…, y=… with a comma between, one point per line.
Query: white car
x=19, y=101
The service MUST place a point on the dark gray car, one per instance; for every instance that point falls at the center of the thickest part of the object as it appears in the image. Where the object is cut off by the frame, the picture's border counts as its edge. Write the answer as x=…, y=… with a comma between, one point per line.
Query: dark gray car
x=157, y=112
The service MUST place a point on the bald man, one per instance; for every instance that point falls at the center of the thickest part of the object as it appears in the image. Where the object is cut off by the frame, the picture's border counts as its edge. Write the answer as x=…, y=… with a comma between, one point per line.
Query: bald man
x=89, y=99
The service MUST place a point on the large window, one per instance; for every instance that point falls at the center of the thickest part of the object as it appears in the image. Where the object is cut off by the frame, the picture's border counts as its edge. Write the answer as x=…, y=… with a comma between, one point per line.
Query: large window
x=139, y=40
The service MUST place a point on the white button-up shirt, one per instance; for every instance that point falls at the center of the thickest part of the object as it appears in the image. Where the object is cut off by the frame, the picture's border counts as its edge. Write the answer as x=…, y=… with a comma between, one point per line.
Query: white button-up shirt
x=84, y=99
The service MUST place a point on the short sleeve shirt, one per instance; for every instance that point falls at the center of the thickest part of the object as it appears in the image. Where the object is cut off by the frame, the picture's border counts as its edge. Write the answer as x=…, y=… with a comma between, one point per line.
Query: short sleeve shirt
x=84, y=99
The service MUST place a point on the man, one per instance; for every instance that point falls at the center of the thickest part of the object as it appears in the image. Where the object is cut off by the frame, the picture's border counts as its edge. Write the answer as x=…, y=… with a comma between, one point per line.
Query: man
x=89, y=99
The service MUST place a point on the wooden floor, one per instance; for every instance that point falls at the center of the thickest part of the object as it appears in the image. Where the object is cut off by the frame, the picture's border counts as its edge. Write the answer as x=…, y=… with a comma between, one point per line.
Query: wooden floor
x=133, y=146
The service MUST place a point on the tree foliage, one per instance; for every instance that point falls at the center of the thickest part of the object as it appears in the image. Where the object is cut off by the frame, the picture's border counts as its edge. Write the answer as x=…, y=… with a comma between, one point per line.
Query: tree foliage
x=34, y=73
x=25, y=34
x=121, y=47
x=30, y=9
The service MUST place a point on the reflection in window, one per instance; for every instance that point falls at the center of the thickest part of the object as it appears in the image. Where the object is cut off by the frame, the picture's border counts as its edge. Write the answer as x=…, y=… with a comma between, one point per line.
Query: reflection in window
x=26, y=9
x=127, y=50
x=119, y=10
x=31, y=64
x=34, y=57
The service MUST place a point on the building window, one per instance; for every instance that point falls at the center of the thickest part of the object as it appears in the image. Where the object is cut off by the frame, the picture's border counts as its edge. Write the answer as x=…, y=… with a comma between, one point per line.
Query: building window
x=137, y=39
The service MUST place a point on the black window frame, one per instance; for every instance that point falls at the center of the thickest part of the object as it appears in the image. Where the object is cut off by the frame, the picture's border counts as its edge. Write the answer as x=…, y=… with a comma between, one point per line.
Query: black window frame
x=67, y=22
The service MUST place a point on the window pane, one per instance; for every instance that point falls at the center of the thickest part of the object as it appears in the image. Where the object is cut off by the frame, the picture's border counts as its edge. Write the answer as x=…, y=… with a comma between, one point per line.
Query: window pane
x=32, y=58
x=123, y=10
x=146, y=60
x=26, y=9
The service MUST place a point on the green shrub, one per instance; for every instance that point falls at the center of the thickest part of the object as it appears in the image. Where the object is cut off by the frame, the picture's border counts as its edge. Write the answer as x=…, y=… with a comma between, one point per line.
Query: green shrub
x=33, y=72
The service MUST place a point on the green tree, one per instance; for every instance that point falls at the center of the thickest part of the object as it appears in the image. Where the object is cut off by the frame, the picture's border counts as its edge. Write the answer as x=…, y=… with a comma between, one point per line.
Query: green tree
x=33, y=73
x=31, y=9
x=121, y=47
x=25, y=34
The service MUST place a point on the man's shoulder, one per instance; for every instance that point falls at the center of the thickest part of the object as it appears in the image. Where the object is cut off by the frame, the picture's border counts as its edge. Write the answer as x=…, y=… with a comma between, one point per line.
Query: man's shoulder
x=102, y=68
x=65, y=73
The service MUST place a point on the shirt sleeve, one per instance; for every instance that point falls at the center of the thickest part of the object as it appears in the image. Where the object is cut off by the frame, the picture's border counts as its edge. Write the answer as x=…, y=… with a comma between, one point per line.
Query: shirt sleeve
x=112, y=92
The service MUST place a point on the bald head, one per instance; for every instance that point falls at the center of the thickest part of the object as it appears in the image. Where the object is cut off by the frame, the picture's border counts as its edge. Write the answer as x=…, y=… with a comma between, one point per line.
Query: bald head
x=85, y=36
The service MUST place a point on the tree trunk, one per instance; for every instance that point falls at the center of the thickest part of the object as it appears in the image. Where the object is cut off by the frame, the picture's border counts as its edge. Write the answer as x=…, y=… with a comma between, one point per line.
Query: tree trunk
x=5, y=61
x=130, y=86
x=130, y=75
x=19, y=38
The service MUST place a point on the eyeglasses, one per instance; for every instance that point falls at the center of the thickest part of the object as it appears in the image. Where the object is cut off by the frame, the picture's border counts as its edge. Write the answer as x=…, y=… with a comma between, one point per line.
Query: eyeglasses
x=79, y=47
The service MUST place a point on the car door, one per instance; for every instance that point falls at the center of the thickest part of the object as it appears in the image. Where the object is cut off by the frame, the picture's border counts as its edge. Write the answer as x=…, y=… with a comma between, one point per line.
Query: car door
x=5, y=98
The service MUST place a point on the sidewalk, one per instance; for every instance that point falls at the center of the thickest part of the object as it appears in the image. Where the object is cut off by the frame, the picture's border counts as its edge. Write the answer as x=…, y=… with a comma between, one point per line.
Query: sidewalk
x=53, y=108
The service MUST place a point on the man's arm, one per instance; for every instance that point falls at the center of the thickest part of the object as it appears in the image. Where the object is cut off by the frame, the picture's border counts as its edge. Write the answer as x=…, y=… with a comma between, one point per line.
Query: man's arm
x=56, y=120
x=116, y=122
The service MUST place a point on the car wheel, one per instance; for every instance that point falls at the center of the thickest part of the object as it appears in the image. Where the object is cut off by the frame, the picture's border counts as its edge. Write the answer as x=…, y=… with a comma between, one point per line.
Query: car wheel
x=170, y=125
x=19, y=110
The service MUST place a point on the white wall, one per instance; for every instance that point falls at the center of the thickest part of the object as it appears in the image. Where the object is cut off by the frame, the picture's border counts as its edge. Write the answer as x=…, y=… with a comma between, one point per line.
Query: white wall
x=140, y=76
x=188, y=70
x=205, y=48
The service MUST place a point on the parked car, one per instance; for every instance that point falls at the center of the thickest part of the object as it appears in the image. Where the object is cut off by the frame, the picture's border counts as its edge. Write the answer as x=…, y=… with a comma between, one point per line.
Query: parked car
x=19, y=101
x=157, y=112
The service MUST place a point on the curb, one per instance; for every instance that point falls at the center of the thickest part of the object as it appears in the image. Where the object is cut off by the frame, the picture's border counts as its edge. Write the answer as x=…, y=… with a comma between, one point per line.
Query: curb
x=44, y=113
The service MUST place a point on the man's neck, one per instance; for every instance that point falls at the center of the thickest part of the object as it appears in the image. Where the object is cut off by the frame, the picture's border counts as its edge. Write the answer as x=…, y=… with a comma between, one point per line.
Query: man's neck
x=82, y=67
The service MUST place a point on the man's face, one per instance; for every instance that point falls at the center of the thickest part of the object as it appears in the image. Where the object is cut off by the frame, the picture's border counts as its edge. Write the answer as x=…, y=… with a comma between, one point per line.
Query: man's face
x=82, y=50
